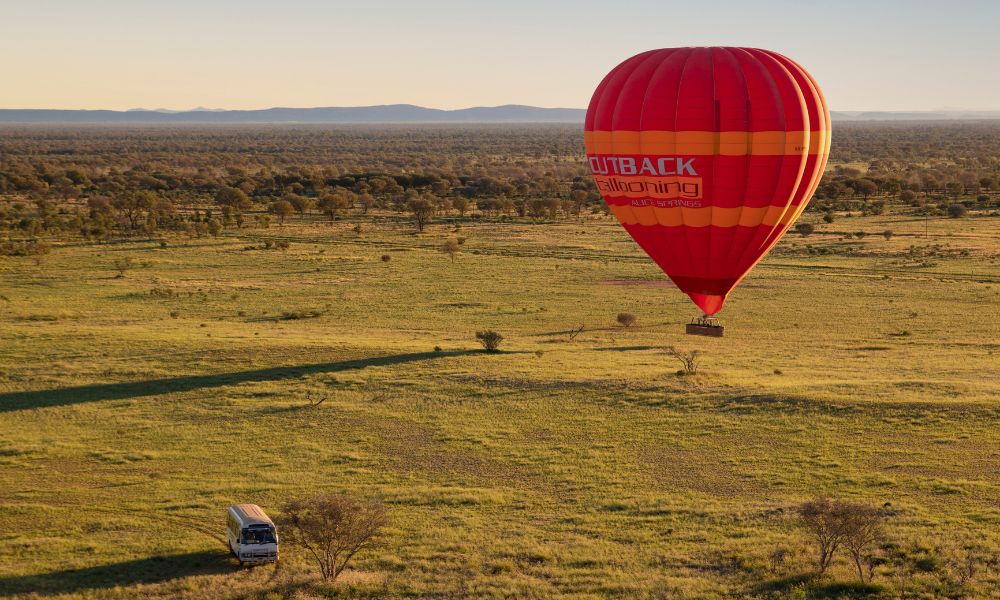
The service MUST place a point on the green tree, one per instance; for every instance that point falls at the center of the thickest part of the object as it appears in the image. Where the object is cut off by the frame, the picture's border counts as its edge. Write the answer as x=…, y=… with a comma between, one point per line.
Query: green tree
x=865, y=187
x=281, y=209
x=333, y=203
x=302, y=204
x=451, y=247
x=422, y=210
x=367, y=201
x=232, y=197
x=461, y=205
x=332, y=528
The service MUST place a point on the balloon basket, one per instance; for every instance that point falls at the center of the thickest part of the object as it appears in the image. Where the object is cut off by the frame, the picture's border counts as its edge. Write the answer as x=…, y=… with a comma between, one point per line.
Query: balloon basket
x=705, y=325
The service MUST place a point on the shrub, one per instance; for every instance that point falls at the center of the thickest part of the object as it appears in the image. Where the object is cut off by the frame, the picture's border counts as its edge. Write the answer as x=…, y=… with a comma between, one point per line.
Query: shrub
x=332, y=528
x=804, y=229
x=887, y=234
x=956, y=211
x=386, y=258
x=489, y=339
x=162, y=292
x=826, y=523
x=451, y=247
x=32, y=248
x=214, y=227
x=689, y=359
x=864, y=530
x=833, y=524
x=122, y=265
x=626, y=319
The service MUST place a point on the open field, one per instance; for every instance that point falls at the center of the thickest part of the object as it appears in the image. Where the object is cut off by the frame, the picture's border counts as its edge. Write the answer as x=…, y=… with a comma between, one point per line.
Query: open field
x=134, y=409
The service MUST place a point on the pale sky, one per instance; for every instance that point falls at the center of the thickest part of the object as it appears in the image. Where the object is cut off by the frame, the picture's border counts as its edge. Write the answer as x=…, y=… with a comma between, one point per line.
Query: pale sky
x=866, y=55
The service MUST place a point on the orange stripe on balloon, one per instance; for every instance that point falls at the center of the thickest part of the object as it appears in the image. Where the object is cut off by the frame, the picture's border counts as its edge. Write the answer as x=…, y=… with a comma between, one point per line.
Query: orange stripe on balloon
x=715, y=216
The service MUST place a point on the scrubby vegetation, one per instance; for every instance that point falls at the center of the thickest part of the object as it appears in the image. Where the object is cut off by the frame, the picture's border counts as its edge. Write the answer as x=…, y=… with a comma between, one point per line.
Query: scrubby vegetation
x=102, y=183
x=334, y=353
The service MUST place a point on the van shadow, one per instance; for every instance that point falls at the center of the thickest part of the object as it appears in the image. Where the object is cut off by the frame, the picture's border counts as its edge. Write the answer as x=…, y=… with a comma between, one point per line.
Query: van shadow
x=12, y=401
x=155, y=569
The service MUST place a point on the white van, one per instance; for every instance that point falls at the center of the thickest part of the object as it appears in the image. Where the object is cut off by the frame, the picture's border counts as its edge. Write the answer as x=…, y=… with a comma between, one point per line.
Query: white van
x=251, y=535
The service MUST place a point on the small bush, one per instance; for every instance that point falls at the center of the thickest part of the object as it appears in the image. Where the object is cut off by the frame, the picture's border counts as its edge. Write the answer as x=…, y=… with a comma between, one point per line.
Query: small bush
x=386, y=258
x=32, y=248
x=451, y=247
x=122, y=265
x=626, y=319
x=956, y=211
x=687, y=358
x=162, y=292
x=927, y=564
x=490, y=340
x=805, y=229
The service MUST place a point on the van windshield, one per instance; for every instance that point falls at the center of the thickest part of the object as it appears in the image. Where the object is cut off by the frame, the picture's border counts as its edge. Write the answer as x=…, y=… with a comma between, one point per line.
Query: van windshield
x=258, y=535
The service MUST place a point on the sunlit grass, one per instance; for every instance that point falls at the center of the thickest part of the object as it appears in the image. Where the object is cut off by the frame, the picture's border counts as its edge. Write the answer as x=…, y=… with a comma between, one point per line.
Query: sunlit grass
x=136, y=408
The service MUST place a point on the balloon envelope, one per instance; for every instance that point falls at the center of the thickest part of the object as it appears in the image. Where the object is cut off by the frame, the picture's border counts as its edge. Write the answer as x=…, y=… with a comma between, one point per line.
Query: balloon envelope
x=706, y=156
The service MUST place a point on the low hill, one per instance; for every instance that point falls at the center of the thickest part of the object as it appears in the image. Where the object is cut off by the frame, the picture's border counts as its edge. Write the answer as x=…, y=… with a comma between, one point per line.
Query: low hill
x=397, y=113
x=389, y=113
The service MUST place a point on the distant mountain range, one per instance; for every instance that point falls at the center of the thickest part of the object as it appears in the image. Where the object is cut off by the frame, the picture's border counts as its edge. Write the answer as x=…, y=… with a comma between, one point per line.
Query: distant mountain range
x=394, y=113
x=389, y=113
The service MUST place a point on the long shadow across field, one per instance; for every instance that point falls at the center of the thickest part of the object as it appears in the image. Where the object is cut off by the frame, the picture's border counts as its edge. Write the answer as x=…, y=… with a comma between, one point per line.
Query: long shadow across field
x=155, y=569
x=12, y=401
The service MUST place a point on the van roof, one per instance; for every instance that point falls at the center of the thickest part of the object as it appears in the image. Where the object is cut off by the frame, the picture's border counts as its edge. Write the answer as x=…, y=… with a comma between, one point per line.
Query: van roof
x=250, y=514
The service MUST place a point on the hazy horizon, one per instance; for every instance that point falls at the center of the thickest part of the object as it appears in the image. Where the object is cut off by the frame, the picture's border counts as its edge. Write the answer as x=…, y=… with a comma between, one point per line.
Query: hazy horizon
x=115, y=55
x=201, y=108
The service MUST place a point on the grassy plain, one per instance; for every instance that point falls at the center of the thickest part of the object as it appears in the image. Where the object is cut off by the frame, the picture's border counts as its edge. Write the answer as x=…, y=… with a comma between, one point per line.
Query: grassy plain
x=135, y=409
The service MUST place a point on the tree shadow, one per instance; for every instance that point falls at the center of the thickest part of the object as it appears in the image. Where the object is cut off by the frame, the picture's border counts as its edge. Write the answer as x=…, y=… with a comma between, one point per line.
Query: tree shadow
x=155, y=569
x=12, y=401
x=819, y=587
x=627, y=348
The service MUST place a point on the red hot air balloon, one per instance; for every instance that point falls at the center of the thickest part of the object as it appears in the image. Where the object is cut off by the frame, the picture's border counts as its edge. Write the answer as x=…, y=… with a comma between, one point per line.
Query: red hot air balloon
x=706, y=156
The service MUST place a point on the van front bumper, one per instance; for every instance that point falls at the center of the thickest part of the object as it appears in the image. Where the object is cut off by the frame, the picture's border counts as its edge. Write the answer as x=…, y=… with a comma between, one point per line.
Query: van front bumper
x=259, y=557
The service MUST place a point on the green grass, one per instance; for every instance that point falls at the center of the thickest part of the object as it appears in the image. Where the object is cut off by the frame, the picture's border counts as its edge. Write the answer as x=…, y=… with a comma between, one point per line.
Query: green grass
x=135, y=409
